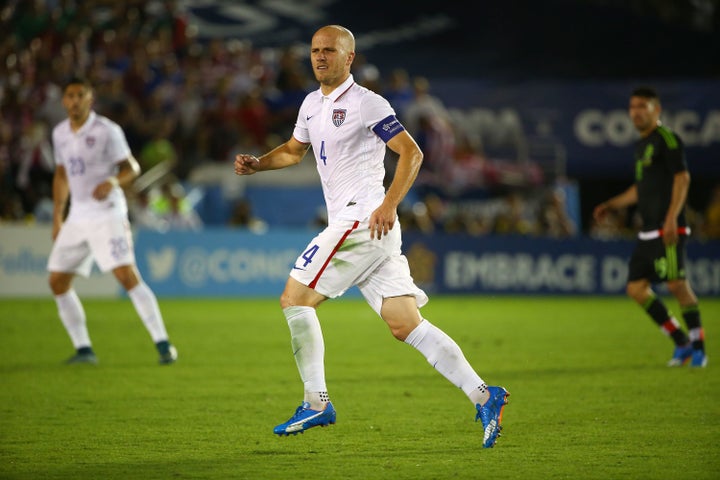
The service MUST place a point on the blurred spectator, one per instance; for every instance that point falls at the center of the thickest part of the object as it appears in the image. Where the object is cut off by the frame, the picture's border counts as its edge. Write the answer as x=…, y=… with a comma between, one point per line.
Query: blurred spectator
x=436, y=139
x=32, y=20
x=198, y=101
x=424, y=105
x=436, y=215
x=158, y=149
x=711, y=225
x=11, y=208
x=36, y=167
x=427, y=120
x=398, y=91
x=143, y=215
x=515, y=217
x=173, y=207
x=284, y=104
x=612, y=226
x=253, y=116
x=242, y=217
x=426, y=216
x=366, y=74
x=553, y=218
x=468, y=168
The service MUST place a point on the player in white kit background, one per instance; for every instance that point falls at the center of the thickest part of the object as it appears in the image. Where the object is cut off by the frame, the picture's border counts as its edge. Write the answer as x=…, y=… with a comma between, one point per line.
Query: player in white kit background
x=349, y=129
x=93, y=164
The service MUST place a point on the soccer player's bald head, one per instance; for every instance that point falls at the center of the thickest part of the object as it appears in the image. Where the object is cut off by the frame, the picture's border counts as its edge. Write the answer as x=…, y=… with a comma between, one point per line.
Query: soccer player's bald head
x=345, y=37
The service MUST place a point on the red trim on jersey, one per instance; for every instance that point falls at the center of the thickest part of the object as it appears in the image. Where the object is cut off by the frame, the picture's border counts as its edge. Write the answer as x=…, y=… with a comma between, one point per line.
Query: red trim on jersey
x=653, y=234
x=332, y=254
x=343, y=93
x=680, y=231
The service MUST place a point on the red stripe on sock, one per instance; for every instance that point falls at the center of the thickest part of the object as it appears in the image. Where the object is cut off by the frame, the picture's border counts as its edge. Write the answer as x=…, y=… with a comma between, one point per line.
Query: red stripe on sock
x=332, y=254
x=669, y=326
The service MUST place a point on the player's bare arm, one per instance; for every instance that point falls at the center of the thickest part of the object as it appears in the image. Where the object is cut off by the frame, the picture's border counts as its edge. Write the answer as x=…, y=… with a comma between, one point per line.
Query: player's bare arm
x=681, y=184
x=128, y=170
x=61, y=193
x=625, y=199
x=410, y=158
x=286, y=155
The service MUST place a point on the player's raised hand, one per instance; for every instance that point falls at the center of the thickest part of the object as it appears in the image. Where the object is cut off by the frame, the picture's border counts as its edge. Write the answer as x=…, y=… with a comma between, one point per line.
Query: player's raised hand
x=246, y=164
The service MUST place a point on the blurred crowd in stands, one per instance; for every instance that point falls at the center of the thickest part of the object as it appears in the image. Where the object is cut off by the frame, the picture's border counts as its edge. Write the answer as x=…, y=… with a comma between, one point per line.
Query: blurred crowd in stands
x=183, y=103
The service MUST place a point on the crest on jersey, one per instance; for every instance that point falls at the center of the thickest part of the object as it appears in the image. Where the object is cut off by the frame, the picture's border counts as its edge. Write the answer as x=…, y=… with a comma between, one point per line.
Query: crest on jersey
x=338, y=116
x=90, y=141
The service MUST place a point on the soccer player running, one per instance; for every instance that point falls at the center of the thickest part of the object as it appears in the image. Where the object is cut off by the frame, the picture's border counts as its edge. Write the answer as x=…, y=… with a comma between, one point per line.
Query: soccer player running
x=660, y=190
x=94, y=162
x=348, y=127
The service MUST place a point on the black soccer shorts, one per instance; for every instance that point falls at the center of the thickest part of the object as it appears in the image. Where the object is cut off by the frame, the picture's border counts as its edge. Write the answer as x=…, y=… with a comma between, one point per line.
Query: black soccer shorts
x=653, y=261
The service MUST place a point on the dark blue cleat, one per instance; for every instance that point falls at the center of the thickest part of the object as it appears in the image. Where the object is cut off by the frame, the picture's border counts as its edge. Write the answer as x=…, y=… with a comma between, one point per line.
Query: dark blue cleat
x=84, y=357
x=699, y=359
x=681, y=355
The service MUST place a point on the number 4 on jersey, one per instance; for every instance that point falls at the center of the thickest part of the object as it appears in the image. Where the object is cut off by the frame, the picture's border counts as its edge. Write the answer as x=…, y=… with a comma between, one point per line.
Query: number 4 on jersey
x=323, y=157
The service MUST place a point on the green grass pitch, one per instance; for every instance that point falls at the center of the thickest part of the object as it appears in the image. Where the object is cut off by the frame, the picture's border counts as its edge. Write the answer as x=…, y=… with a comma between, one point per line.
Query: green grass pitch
x=590, y=395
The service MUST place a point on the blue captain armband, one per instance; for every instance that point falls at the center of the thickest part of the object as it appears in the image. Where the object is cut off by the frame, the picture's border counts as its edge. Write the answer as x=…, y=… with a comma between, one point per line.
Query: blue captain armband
x=387, y=128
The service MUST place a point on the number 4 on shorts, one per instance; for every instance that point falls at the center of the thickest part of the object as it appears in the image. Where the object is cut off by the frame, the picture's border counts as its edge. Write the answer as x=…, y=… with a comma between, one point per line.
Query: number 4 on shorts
x=309, y=254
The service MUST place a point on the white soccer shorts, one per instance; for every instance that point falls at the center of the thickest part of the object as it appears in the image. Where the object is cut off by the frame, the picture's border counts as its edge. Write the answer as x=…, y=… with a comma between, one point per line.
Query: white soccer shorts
x=343, y=255
x=107, y=241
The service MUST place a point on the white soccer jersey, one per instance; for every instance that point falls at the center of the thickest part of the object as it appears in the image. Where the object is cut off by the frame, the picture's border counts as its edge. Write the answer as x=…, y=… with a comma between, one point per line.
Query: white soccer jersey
x=90, y=156
x=348, y=130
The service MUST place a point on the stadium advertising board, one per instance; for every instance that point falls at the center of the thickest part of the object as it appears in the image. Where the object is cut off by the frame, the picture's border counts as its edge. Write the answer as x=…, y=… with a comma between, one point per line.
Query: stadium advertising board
x=218, y=262
x=233, y=263
x=523, y=265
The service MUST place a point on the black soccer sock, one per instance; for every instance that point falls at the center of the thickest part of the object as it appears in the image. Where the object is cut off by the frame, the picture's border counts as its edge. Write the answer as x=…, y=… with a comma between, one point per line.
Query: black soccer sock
x=691, y=315
x=660, y=315
x=163, y=347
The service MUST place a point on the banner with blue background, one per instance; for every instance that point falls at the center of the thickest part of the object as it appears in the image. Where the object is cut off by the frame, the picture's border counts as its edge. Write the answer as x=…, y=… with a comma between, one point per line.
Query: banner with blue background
x=236, y=263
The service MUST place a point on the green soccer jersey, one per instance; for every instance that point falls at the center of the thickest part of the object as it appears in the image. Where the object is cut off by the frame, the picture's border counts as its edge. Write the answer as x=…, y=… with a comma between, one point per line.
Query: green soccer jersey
x=658, y=157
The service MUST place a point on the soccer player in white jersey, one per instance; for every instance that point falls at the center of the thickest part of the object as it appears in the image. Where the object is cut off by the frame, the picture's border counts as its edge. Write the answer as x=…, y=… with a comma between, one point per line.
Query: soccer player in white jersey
x=349, y=127
x=93, y=164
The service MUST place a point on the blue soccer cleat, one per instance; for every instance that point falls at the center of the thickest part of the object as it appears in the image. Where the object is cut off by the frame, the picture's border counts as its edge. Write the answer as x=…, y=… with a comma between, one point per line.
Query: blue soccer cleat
x=490, y=415
x=681, y=355
x=699, y=359
x=305, y=418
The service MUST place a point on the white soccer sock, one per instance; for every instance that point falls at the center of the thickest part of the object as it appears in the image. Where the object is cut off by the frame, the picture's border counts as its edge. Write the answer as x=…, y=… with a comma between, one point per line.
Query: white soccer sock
x=445, y=356
x=73, y=318
x=309, y=350
x=146, y=306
